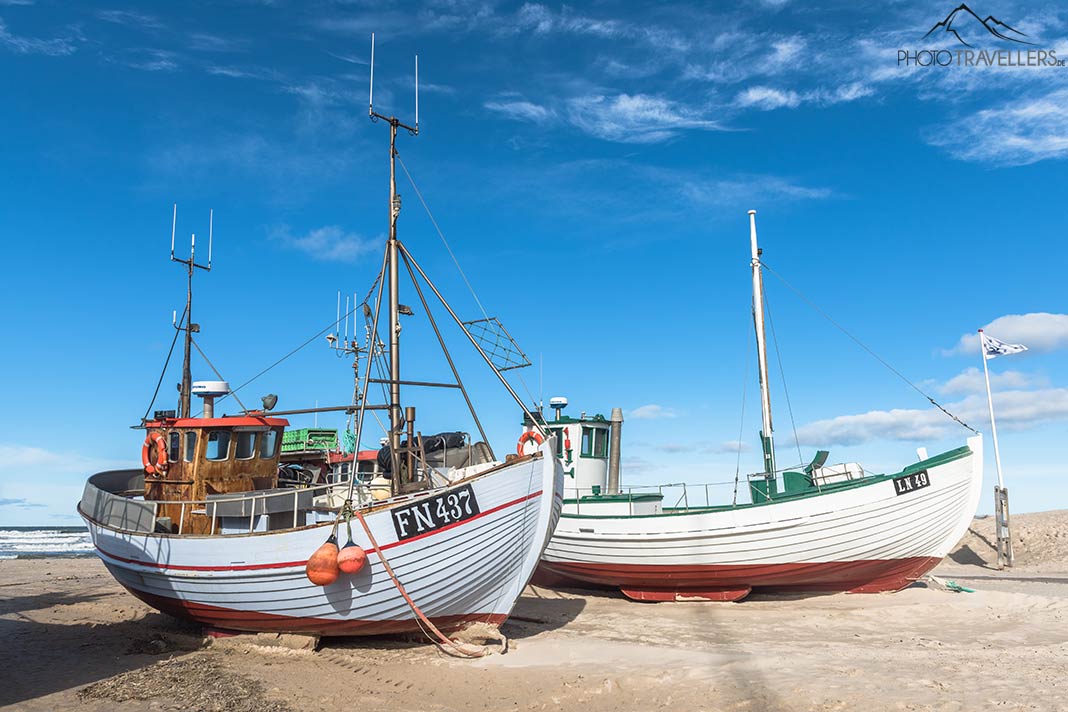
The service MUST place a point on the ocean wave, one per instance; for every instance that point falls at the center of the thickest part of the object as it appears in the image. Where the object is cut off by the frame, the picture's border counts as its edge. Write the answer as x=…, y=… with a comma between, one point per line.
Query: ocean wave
x=23, y=543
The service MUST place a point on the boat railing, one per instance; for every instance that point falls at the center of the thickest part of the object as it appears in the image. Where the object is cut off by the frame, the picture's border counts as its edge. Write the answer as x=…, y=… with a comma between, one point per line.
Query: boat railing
x=126, y=512
x=683, y=496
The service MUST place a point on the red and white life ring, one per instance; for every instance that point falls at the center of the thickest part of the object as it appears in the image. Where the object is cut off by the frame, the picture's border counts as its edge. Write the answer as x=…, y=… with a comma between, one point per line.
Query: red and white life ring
x=527, y=437
x=159, y=467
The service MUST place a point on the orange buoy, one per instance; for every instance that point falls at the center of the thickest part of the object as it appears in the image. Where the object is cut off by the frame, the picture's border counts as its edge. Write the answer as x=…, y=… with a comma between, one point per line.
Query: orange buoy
x=351, y=558
x=321, y=568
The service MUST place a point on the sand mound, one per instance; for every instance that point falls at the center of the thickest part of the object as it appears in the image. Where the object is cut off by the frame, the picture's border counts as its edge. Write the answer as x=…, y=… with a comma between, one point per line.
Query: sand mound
x=1039, y=540
x=190, y=683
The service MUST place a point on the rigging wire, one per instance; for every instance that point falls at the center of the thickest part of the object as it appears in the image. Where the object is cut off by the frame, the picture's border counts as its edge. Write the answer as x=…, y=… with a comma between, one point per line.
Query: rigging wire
x=166, y=363
x=456, y=262
x=315, y=336
x=741, y=425
x=215, y=370
x=782, y=374
x=876, y=356
x=442, y=236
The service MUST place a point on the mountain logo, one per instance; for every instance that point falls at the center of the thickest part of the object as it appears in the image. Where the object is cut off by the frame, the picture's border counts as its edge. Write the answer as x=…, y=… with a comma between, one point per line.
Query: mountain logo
x=969, y=29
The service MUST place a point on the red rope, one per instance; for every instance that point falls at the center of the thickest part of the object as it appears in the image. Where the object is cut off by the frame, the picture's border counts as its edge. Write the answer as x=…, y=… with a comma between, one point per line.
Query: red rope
x=464, y=649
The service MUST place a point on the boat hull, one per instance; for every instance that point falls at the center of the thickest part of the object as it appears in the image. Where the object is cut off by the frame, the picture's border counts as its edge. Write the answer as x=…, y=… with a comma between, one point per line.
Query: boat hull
x=472, y=570
x=865, y=538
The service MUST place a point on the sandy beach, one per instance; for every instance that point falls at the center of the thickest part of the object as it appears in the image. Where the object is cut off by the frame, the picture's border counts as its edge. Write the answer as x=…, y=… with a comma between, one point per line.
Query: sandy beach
x=73, y=639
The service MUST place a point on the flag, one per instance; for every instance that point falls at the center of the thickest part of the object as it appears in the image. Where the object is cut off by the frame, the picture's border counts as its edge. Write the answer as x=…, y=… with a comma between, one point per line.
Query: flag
x=992, y=348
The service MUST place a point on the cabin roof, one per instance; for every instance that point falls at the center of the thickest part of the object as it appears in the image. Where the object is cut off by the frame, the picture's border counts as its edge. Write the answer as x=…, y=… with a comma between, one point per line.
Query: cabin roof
x=225, y=422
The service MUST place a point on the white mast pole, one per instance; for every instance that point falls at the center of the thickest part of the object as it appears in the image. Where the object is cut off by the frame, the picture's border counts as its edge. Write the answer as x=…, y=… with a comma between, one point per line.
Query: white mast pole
x=762, y=356
x=990, y=403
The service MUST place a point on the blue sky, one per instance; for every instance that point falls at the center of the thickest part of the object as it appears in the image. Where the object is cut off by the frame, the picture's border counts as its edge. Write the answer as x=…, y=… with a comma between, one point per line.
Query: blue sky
x=591, y=166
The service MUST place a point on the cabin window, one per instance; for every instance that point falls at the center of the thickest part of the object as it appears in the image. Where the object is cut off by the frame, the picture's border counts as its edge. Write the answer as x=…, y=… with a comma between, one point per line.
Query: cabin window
x=269, y=444
x=594, y=442
x=246, y=445
x=366, y=467
x=218, y=446
x=190, y=446
x=174, y=445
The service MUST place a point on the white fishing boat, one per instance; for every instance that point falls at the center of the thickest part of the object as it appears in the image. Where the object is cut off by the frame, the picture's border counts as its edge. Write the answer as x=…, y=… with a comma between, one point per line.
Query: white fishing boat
x=819, y=527
x=206, y=531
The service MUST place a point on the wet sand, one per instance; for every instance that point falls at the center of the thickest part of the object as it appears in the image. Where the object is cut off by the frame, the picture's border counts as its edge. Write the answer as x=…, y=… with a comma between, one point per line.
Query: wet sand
x=73, y=639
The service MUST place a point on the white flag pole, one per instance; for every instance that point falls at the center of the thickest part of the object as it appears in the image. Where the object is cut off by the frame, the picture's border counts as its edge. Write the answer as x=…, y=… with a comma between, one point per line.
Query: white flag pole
x=990, y=403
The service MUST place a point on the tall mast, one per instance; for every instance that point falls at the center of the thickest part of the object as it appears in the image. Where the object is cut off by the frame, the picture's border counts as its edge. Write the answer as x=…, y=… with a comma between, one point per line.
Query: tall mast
x=766, y=442
x=187, y=374
x=396, y=416
x=396, y=419
x=185, y=390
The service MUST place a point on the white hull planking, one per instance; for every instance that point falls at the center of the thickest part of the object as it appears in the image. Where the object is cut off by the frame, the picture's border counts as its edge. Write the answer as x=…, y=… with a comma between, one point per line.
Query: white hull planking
x=780, y=545
x=473, y=570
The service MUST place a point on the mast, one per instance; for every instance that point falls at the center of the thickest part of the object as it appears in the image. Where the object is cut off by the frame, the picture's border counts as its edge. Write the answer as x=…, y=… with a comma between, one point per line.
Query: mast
x=186, y=387
x=396, y=415
x=766, y=442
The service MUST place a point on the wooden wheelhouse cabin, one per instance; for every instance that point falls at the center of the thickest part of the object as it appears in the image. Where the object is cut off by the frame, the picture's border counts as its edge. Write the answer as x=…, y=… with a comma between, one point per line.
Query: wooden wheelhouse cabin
x=208, y=457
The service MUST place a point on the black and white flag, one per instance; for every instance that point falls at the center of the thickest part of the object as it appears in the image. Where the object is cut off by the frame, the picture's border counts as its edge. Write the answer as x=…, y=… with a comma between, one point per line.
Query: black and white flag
x=992, y=348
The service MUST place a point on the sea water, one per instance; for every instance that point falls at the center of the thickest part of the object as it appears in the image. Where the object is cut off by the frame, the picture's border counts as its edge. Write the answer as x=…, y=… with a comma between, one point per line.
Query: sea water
x=36, y=542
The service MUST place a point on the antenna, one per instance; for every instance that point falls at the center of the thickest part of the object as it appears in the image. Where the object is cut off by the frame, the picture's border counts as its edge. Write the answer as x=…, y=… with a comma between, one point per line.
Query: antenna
x=211, y=221
x=392, y=120
x=174, y=221
x=371, y=95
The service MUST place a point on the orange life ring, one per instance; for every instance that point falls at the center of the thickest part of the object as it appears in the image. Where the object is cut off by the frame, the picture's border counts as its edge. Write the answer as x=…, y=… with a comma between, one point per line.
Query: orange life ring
x=525, y=437
x=159, y=467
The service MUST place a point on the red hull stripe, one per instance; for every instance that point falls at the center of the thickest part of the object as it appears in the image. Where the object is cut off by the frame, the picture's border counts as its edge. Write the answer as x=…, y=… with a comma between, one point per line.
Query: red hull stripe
x=293, y=564
x=862, y=576
x=253, y=621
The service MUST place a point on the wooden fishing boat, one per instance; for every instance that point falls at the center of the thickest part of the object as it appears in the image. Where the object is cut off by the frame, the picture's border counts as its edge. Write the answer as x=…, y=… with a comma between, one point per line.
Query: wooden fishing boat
x=206, y=531
x=815, y=528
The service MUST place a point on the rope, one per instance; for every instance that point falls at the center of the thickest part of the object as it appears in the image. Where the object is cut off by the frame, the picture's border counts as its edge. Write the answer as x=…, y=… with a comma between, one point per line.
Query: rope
x=442, y=236
x=456, y=262
x=741, y=425
x=215, y=370
x=857, y=341
x=165, y=364
x=464, y=650
x=782, y=375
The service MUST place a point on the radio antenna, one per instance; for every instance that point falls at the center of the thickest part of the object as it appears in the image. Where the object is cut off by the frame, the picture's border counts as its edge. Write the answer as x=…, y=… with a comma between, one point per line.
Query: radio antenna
x=185, y=388
x=371, y=95
x=417, y=93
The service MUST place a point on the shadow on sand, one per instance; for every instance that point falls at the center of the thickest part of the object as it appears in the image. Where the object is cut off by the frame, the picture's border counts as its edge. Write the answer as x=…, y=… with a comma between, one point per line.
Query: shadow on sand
x=44, y=658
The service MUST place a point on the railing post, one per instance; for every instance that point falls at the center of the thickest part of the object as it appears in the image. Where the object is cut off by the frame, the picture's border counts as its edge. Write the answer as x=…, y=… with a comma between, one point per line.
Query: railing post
x=155, y=515
x=181, y=518
x=295, y=500
x=252, y=514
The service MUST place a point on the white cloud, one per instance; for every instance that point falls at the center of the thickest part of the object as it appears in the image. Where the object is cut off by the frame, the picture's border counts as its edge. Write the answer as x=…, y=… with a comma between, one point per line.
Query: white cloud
x=651, y=412
x=521, y=110
x=1015, y=410
x=766, y=98
x=57, y=47
x=971, y=381
x=1016, y=133
x=204, y=42
x=635, y=118
x=1038, y=331
x=732, y=446
x=750, y=189
x=126, y=17
x=20, y=459
x=329, y=244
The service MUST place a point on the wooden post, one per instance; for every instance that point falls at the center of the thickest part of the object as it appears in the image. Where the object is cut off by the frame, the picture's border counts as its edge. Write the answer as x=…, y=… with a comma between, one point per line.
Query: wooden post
x=1001, y=527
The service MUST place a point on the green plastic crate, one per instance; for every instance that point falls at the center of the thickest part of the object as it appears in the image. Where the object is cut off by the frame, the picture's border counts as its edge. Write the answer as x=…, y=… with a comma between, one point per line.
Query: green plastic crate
x=309, y=439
